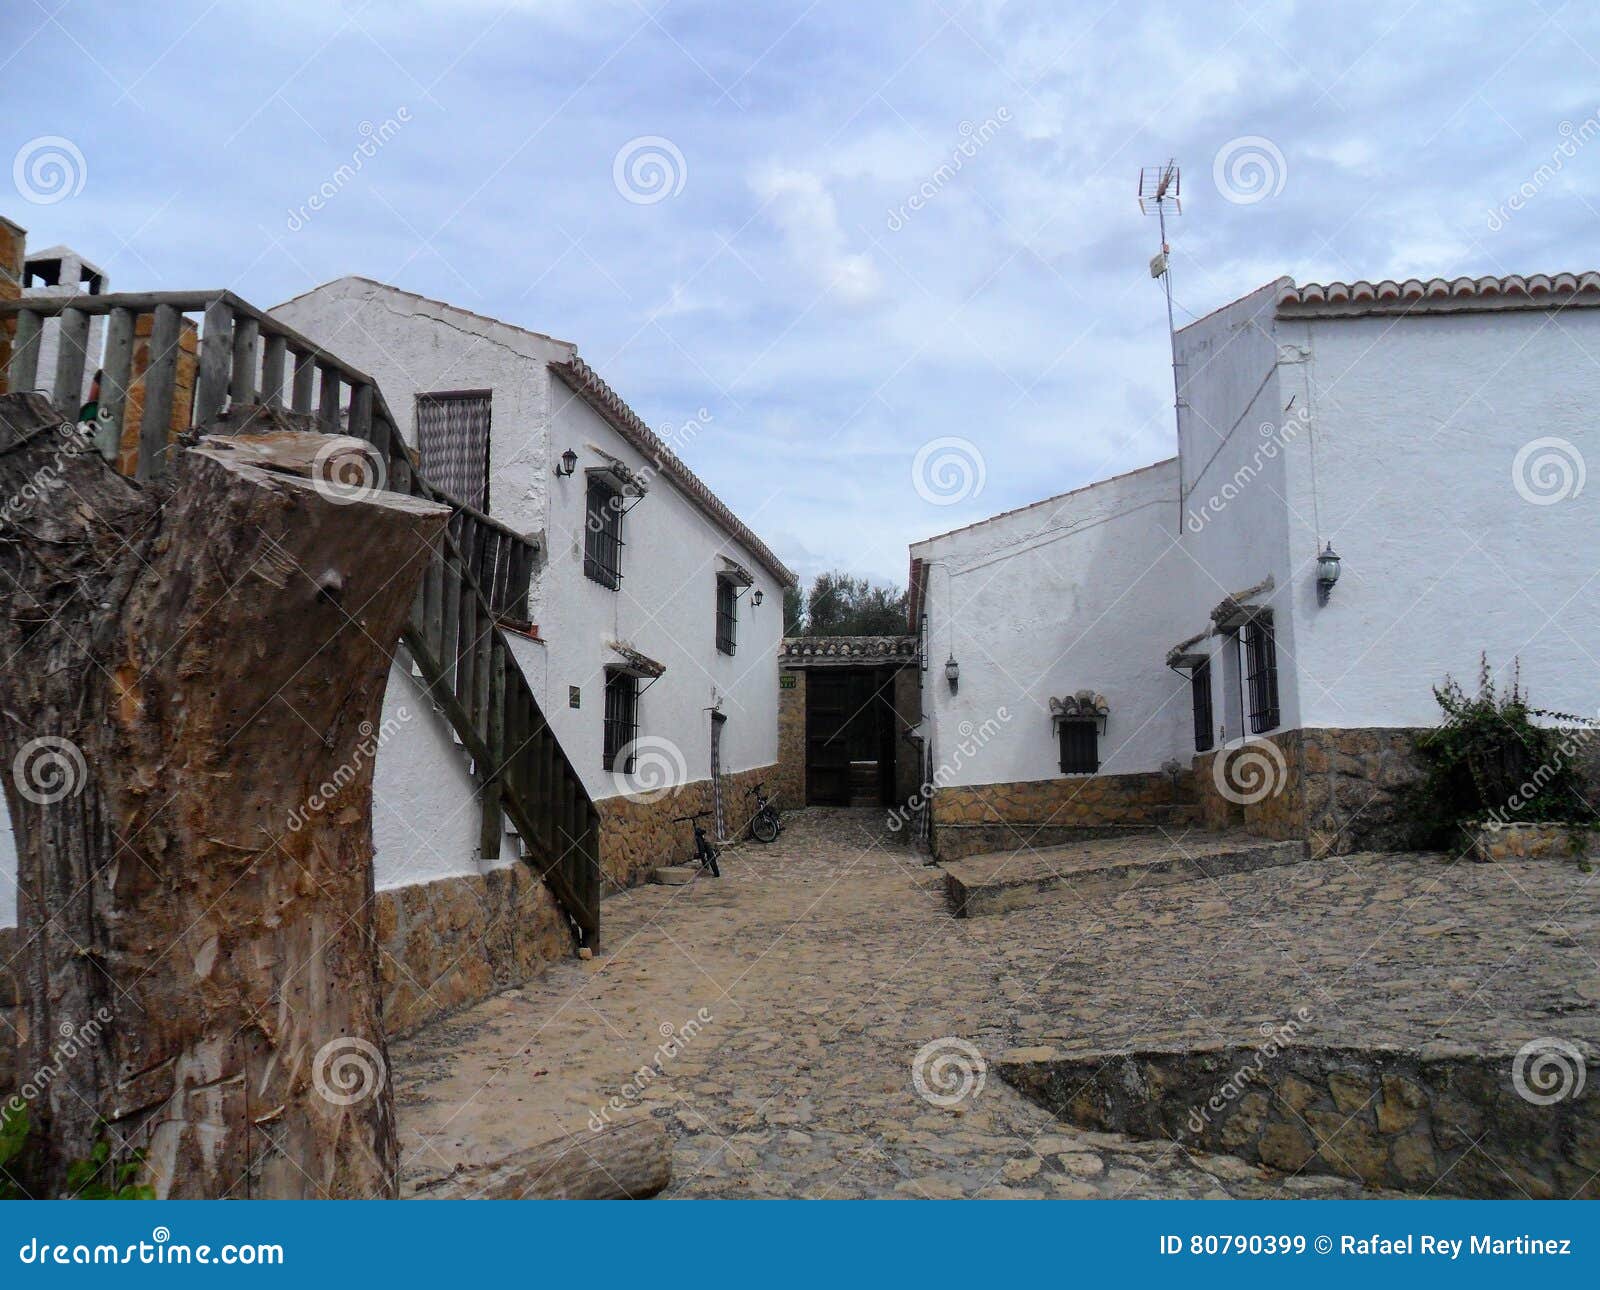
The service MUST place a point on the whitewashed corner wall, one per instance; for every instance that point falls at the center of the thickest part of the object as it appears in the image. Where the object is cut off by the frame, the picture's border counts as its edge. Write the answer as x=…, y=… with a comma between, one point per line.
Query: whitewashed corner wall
x=1073, y=593
x=1418, y=424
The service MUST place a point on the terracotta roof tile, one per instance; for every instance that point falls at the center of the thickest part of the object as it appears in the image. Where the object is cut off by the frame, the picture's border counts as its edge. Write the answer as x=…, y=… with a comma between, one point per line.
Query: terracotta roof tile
x=1440, y=295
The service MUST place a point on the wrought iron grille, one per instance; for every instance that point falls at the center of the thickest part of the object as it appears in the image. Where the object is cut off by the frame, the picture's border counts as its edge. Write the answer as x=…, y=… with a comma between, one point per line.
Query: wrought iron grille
x=621, y=721
x=727, y=616
x=602, y=541
x=1200, y=690
x=1261, y=673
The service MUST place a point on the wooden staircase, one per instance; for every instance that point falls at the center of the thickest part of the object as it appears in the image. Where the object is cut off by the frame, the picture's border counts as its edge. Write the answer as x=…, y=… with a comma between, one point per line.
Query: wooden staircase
x=474, y=590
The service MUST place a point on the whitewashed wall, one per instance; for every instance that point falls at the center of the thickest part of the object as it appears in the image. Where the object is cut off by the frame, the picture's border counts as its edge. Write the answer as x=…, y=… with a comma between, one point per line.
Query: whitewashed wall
x=412, y=346
x=1235, y=442
x=666, y=605
x=1077, y=592
x=665, y=608
x=1418, y=423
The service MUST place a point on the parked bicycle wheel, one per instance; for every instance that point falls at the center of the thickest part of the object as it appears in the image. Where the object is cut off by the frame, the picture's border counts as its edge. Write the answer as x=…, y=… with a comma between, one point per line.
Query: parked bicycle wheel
x=764, y=827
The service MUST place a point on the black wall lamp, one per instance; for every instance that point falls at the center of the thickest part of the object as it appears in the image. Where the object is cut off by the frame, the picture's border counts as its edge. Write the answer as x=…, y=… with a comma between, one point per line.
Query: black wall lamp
x=756, y=597
x=952, y=672
x=567, y=464
x=1327, y=572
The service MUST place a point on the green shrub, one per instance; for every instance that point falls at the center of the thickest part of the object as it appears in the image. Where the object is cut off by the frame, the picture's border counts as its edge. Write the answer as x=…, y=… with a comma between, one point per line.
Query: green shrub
x=1488, y=760
x=100, y=1177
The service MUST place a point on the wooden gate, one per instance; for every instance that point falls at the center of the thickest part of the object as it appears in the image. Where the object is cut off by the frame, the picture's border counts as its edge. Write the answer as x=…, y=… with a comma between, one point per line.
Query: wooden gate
x=850, y=732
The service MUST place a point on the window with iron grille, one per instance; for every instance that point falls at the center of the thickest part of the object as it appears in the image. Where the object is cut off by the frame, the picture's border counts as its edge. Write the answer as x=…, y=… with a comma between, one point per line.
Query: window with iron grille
x=1080, y=747
x=622, y=720
x=727, y=615
x=1200, y=690
x=1261, y=672
x=602, y=528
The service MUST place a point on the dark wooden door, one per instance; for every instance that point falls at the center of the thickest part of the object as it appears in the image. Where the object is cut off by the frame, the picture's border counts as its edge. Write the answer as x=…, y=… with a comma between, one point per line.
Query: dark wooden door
x=849, y=736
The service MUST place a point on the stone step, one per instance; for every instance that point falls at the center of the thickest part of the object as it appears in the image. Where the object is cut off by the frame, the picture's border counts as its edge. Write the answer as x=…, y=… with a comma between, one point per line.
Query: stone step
x=674, y=875
x=1101, y=868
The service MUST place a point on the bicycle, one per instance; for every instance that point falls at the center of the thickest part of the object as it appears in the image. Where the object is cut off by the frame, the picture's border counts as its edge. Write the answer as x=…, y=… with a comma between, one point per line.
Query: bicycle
x=704, y=852
x=764, y=824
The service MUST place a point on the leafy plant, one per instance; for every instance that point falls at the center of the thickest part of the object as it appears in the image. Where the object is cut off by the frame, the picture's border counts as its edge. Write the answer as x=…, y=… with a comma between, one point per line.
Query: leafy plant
x=1489, y=760
x=100, y=1177
x=13, y=1138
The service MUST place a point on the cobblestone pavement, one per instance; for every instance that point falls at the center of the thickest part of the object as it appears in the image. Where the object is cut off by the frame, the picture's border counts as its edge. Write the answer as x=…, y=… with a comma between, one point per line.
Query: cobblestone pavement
x=781, y=1011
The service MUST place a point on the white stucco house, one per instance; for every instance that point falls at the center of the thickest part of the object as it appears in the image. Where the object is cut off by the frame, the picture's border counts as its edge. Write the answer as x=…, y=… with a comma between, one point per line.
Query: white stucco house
x=1147, y=631
x=657, y=613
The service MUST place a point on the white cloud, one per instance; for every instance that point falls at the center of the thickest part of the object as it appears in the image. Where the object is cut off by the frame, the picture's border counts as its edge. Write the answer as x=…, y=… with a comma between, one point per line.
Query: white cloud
x=802, y=208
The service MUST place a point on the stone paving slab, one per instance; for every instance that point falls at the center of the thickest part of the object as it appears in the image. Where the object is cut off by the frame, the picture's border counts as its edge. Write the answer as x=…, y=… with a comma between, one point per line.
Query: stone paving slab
x=1002, y=881
x=777, y=1021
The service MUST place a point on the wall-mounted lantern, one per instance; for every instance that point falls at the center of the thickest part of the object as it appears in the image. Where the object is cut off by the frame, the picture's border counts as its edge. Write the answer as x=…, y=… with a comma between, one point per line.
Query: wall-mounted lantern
x=756, y=597
x=1327, y=572
x=568, y=464
x=952, y=672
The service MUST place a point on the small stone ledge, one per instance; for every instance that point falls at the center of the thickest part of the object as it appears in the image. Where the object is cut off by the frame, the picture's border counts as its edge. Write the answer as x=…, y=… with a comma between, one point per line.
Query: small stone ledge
x=1442, y=1118
x=1102, y=868
x=1493, y=840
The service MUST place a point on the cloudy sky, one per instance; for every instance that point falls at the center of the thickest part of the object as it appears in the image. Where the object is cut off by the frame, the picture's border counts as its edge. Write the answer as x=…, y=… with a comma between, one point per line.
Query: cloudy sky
x=892, y=249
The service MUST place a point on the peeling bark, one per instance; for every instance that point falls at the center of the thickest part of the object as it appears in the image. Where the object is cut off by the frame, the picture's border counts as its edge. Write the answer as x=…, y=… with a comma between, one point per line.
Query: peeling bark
x=201, y=659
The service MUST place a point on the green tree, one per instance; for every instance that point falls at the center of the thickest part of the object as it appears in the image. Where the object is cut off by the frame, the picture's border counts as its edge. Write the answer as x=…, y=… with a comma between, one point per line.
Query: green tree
x=840, y=604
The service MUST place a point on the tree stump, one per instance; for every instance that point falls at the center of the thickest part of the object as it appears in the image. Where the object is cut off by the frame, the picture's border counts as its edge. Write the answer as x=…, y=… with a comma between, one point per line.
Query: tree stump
x=191, y=700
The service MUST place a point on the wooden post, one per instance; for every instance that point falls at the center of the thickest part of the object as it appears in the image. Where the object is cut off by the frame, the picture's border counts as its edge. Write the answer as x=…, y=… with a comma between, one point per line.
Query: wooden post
x=114, y=383
x=305, y=375
x=216, y=362
x=72, y=335
x=160, y=385
x=272, y=371
x=23, y=371
x=246, y=357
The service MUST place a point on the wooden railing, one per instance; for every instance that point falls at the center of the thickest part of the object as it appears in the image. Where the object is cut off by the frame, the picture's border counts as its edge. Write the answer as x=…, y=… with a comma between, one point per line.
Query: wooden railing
x=476, y=584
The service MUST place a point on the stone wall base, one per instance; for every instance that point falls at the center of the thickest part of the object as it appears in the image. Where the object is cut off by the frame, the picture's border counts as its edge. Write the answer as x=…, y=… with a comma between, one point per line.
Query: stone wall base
x=1495, y=841
x=968, y=818
x=638, y=836
x=447, y=944
x=1442, y=1118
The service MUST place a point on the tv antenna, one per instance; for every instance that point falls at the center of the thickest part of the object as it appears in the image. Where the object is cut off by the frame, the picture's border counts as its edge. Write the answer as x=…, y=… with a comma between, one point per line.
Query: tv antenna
x=1160, y=192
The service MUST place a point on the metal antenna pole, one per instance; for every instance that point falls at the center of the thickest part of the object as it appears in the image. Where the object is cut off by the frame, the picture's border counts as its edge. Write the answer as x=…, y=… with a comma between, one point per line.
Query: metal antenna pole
x=1159, y=185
